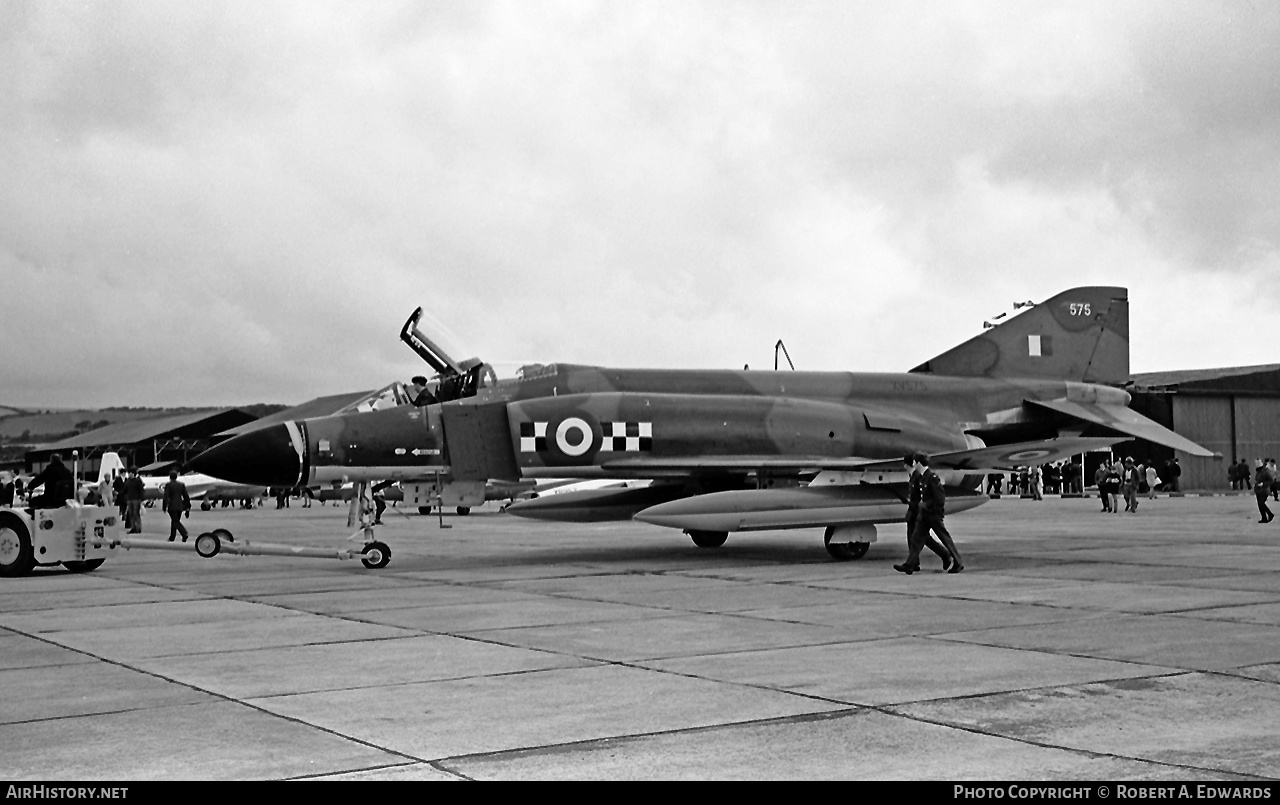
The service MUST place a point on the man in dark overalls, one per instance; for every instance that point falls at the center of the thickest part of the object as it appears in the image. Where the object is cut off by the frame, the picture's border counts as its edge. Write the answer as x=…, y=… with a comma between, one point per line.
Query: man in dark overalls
x=58, y=484
x=176, y=502
x=925, y=508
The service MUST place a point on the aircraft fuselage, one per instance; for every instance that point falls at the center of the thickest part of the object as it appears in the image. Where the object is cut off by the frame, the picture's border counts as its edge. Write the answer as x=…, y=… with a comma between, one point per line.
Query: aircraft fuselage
x=593, y=422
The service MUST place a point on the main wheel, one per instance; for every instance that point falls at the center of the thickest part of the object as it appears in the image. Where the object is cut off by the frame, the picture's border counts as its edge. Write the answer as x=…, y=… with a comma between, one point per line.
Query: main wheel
x=463, y=511
x=205, y=505
x=376, y=555
x=85, y=565
x=16, y=555
x=708, y=539
x=424, y=510
x=844, y=551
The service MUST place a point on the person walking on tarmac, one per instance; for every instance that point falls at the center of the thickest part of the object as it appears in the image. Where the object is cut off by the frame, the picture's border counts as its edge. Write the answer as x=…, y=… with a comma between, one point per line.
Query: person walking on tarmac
x=379, y=500
x=104, y=492
x=176, y=502
x=1262, y=480
x=933, y=501
x=914, y=491
x=117, y=492
x=1129, y=478
x=134, y=492
x=1100, y=478
x=1111, y=480
x=1172, y=475
x=58, y=485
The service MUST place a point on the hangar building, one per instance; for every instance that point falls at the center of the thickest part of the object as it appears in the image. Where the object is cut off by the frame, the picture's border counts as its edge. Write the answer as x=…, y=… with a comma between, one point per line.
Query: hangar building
x=143, y=442
x=1234, y=411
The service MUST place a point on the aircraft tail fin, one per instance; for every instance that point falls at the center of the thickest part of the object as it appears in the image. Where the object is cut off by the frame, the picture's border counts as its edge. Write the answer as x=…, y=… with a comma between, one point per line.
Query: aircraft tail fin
x=1080, y=335
x=110, y=462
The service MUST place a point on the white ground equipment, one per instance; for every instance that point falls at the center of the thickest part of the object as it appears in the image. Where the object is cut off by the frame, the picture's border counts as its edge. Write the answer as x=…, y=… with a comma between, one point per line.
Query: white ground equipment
x=79, y=538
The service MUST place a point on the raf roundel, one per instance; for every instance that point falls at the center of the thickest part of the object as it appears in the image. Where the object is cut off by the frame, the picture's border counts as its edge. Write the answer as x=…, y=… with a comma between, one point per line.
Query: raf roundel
x=572, y=440
x=1029, y=455
x=574, y=436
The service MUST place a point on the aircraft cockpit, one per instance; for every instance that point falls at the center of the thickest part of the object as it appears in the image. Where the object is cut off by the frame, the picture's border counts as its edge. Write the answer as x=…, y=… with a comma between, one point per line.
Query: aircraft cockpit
x=454, y=379
x=388, y=396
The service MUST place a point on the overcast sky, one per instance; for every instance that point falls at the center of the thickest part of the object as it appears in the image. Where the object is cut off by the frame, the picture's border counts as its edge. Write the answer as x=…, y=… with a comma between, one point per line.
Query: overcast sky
x=208, y=203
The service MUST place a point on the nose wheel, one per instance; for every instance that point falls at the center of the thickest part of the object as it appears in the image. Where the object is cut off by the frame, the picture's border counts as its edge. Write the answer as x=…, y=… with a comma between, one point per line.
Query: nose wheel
x=376, y=555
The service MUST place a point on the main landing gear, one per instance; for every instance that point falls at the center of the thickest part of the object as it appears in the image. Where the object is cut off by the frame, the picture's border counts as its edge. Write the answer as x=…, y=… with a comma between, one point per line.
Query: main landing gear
x=708, y=539
x=463, y=511
x=843, y=542
x=849, y=541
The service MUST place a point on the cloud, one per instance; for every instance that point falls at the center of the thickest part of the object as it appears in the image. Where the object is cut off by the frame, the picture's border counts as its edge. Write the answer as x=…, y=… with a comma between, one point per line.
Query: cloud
x=241, y=202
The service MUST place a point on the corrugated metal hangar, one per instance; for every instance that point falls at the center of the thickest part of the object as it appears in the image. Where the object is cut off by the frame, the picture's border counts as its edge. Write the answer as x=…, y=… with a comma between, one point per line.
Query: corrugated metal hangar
x=159, y=443
x=1234, y=411
x=144, y=441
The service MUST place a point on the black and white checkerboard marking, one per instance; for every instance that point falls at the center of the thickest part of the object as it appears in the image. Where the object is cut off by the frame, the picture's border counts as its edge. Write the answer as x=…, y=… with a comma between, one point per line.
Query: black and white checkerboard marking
x=627, y=437
x=618, y=437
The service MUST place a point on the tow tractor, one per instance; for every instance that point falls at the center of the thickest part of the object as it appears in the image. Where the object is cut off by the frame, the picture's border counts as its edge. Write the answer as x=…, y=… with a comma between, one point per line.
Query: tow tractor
x=80, y=538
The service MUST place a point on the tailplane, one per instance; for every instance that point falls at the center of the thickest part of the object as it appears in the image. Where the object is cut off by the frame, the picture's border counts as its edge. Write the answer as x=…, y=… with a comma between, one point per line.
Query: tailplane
x=1080, y=335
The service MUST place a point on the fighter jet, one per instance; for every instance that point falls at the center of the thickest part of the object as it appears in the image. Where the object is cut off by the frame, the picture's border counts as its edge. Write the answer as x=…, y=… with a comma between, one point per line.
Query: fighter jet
x=732, y=451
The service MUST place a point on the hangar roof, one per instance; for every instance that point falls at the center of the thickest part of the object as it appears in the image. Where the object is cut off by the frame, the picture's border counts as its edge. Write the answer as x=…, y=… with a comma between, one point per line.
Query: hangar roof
x=1261, y=379
x=212, y=420
x=320, y=406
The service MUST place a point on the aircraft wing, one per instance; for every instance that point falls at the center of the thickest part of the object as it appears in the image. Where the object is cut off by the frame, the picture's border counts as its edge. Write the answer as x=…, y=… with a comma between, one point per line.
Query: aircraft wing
x=1022, y=454
x=998, y=457
x=1125, y=420
x=662, y=467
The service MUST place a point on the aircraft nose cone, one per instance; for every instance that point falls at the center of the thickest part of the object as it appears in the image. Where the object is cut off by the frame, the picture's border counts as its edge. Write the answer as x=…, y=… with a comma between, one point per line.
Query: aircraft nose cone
x=264, y=457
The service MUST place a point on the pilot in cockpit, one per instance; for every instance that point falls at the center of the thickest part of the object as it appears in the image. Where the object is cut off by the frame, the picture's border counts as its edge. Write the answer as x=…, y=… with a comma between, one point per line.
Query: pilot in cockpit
x=418, y=392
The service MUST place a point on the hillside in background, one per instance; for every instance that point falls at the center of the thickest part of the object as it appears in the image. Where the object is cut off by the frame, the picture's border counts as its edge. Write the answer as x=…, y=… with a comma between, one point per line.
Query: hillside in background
x=35, y=427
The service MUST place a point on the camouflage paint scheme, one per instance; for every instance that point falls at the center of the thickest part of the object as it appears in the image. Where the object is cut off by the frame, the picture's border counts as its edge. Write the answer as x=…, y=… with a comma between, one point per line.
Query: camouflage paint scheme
x=1037, y=388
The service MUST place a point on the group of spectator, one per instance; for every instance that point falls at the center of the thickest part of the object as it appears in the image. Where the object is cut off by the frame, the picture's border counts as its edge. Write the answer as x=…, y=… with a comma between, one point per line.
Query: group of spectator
x=1243, y=477
x=129, y=493
x=1036, y=481
x=1129, y=477
x=283, y=494
x=11, y=488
